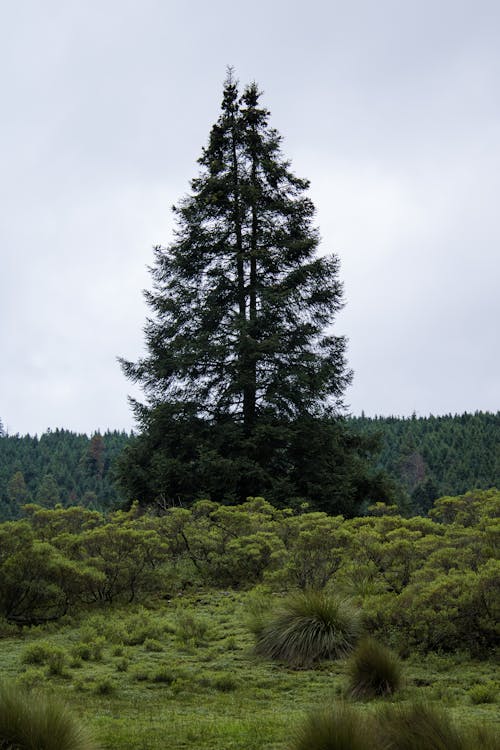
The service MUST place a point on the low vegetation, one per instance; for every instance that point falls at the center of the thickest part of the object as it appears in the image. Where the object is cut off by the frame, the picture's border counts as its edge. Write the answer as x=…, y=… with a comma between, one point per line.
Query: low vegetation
x=307, y=628
x=337, y=727
x=151, y=643
x=32, y=721
x=374, y=670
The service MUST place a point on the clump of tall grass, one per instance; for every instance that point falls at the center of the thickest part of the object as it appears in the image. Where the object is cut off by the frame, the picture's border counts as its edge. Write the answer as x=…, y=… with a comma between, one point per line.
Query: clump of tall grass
x=191, y=630
x=481, y=738
x=307, y=628
x=419, y=726
x=483, y=693
x=31, y=721
x=339, y=727
x=374, y=670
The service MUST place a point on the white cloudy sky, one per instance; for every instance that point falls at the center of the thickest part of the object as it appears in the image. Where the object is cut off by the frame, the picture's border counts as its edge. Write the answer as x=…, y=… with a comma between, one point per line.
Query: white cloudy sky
x=390, y=108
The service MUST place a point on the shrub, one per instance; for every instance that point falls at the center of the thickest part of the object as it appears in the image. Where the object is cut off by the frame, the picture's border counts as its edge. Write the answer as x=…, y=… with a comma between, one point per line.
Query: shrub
x=151, y=644
x=336, y=728
x=165, y=675
x=43, y=652
x=225, y=683
x=56, y=661
x=484, y=693
x=31, y=678
x=190, y=629
x=30, y=721
x=82, y=651
x=37, y=653
x=122, y=664
x=139, y=627
x=374, y=670
x=105, y=686
x=307, y=628
x=8, y=629
x=140, y=674
x=89, y=650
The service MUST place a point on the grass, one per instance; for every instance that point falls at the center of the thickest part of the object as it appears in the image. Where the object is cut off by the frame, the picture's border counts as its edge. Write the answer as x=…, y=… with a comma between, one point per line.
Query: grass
x=338, y=727
x=32, y=721
x=307, y=628
x=215, y=695
x=374, y=670
x=422, y=726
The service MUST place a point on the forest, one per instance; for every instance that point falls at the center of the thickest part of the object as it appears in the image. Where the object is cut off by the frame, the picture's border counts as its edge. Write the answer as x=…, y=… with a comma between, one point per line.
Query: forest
x=425, y=457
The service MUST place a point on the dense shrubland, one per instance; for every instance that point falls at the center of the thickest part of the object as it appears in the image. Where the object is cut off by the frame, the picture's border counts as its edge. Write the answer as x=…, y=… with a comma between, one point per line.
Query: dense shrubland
x=422, y=583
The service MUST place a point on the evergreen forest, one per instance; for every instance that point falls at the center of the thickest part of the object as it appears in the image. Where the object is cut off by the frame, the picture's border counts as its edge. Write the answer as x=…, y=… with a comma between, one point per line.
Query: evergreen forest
x=59, y=467
x=424, y=457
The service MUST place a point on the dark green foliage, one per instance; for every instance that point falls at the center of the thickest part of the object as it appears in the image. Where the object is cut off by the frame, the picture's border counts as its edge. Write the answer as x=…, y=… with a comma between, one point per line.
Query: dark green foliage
x=243, y=383
x=240, y=300
x=30, y=721
x=337, y=728
x=307, y=628
x=59, y=466
x=435, y=456
x=374, y=670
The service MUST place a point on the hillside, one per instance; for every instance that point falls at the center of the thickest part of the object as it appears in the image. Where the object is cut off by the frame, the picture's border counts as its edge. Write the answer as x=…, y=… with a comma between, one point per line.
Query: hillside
x=427, y=456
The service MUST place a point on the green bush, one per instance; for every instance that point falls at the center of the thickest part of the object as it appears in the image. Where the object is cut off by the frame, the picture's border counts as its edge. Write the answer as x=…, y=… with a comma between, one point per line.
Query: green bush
x=165, y=675
x=31, y=721
x=374, y=670
x=307, y=628
x=82, y=651
x=225, y=683
x=90, y=649
x=483, y=693
x=151, y=644
x=191, y=630
x=32, y=677
x=37, y=653
x=336, y=728
x=105, y=686
x=56, y=661
x=122, y=664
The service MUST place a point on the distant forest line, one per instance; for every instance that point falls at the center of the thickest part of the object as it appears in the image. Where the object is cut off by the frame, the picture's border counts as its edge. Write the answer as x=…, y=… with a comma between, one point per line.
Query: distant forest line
x=427, y=456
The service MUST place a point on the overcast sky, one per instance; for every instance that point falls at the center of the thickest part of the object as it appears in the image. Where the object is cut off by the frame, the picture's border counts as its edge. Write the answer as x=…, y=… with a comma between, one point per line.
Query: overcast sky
x=391, y=109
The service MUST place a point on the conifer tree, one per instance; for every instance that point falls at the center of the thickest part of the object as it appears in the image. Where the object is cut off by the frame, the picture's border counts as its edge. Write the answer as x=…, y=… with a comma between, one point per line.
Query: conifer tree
x=241, y=300
x=240, y=353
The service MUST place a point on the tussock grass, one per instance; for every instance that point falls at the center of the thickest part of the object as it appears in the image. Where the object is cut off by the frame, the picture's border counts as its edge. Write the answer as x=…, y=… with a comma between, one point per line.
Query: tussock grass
x=30, y=721
x=374, y=670
x=307, y=628
x=339, y=727
x=420, y=726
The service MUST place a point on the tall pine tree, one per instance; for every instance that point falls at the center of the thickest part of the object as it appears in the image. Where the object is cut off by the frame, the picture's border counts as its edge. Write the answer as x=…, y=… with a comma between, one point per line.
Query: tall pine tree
x=240, y=357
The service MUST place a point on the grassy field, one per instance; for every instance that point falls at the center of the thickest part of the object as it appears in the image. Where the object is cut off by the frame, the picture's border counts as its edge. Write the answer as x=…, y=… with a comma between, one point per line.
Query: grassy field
x=183, y=675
